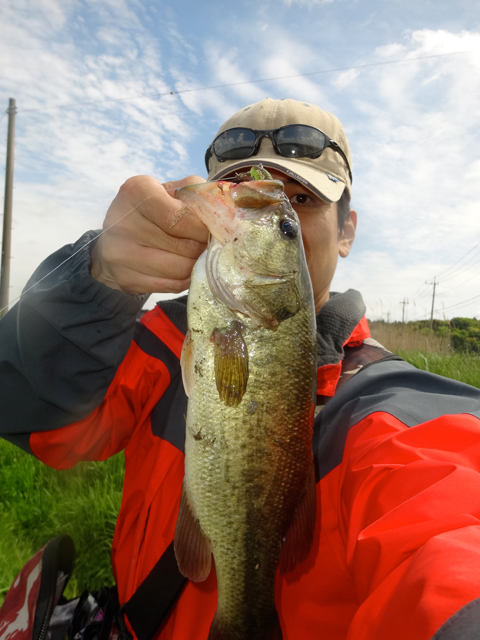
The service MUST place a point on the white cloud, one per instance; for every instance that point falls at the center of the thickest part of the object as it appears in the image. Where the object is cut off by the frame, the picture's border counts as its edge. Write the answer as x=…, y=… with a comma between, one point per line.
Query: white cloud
x=227, y=68
x=345, y=78
x=393, y=50
x=287, y=60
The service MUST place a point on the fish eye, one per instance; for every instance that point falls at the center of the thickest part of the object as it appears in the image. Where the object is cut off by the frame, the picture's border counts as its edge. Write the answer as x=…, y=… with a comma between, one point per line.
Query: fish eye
x=288, y=228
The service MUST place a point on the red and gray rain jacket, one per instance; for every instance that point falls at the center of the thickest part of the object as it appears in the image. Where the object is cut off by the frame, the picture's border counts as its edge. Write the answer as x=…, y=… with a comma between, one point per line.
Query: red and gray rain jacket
x=396, y=552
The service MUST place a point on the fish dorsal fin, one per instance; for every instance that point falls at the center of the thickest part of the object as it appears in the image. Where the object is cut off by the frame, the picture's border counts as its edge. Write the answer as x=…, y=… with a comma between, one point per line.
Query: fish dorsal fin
x=299, y=536
x=192, y=547
x=231, y=364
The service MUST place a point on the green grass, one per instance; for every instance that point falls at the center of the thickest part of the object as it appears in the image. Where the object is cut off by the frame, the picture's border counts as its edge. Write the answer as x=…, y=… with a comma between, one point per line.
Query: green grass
x=38, y=503
x=464, y=367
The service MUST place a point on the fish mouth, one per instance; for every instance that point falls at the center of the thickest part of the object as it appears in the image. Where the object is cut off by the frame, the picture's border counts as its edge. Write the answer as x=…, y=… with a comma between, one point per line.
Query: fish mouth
x=220, y=205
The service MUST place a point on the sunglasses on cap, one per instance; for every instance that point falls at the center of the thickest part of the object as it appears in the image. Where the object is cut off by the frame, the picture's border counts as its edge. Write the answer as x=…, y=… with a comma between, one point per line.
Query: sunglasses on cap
x=290, y=141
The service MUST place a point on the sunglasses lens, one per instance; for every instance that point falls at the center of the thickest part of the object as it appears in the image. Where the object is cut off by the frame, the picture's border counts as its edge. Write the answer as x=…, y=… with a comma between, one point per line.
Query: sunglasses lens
x=300, y=141
x=234, y=143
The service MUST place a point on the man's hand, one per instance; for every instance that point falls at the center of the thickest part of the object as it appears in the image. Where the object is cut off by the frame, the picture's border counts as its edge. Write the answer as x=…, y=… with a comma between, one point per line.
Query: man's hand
x=154, y=247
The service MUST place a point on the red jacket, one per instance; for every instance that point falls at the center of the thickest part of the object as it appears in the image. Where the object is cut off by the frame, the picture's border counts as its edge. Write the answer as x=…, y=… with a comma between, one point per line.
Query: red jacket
x=397, y=453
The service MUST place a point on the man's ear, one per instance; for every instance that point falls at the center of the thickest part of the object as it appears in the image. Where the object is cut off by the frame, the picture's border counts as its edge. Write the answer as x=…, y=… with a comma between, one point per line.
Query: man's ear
x=348, y=234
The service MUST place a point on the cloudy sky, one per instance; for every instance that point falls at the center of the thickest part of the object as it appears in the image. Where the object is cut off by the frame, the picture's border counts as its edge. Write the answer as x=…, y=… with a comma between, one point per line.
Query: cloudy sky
x=402, y=75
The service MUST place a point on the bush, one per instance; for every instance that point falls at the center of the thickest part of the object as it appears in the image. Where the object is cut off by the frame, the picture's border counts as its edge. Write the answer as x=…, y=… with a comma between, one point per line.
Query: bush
x=459, y=334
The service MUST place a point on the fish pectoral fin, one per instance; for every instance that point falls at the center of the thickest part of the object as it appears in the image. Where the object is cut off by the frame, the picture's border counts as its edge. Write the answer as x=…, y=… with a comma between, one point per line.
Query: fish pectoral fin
x=187, y=363
x=231, y=364
x=192, y=547
x=299, y=536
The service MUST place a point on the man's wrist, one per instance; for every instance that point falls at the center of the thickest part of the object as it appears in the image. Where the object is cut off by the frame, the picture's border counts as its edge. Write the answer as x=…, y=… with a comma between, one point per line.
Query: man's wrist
x=97, y=271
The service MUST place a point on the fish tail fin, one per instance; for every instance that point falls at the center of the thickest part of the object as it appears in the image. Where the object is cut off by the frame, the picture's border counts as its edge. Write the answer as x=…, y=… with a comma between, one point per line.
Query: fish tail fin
x=223, y=630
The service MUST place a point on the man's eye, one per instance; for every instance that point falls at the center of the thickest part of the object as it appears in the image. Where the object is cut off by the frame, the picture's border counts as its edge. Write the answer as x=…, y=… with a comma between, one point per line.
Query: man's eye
x=300, y=198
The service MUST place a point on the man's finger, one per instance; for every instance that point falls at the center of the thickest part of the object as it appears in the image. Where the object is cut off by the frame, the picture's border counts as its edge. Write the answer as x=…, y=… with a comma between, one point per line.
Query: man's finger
x=149, y=261
x=171, y=187
x=158, y=205
x=139, y=230
x=135, y=282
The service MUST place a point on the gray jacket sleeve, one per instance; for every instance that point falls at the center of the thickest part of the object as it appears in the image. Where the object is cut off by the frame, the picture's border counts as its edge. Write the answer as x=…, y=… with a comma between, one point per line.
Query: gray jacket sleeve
x=61, y=344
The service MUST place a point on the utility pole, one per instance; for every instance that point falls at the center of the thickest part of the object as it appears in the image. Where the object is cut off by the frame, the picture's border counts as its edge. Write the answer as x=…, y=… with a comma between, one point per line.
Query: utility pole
x=435, y=283
x=403, y=310
x=7, y=210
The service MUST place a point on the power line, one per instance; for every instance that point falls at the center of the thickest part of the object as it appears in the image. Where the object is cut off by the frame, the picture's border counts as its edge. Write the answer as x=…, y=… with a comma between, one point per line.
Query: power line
x=453, y=306
x=422, y=294
x=457, y=286
x=475, y=275
x=459, y=260
x=463, y=303
x=460, y=269
x=426, y=294
x=234, y=84
x=417, y=292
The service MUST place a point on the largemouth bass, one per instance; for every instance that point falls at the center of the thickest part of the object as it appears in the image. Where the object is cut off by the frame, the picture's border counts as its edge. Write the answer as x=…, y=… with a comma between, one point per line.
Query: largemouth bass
x=249, y=369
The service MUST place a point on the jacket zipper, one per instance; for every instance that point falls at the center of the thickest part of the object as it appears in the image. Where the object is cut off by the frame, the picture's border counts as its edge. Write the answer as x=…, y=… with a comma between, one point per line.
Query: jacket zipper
x=46, y=621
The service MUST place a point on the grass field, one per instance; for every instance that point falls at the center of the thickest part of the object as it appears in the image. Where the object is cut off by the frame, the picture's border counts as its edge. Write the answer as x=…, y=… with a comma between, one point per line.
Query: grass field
x=38, y=503
x=458, y=366
x=428, y=352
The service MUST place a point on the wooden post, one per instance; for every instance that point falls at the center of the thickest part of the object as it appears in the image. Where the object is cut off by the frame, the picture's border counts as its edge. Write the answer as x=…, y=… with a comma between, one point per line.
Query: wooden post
x=7, y=210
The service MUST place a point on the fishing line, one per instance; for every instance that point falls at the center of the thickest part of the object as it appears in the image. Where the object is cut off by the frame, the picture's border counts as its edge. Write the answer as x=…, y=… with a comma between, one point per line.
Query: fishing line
x=78, y=251
x=243, y=82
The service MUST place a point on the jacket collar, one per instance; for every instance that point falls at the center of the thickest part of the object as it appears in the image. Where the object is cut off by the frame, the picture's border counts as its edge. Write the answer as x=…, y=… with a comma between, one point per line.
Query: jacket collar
x=341, y=322
x=336, y=322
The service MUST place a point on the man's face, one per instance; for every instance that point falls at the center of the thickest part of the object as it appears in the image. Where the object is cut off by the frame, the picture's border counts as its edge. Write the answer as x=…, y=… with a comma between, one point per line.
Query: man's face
x=322, y=241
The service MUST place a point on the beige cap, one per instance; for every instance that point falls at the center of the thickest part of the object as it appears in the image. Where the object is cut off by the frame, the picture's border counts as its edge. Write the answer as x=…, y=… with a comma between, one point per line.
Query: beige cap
x=327, y=175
